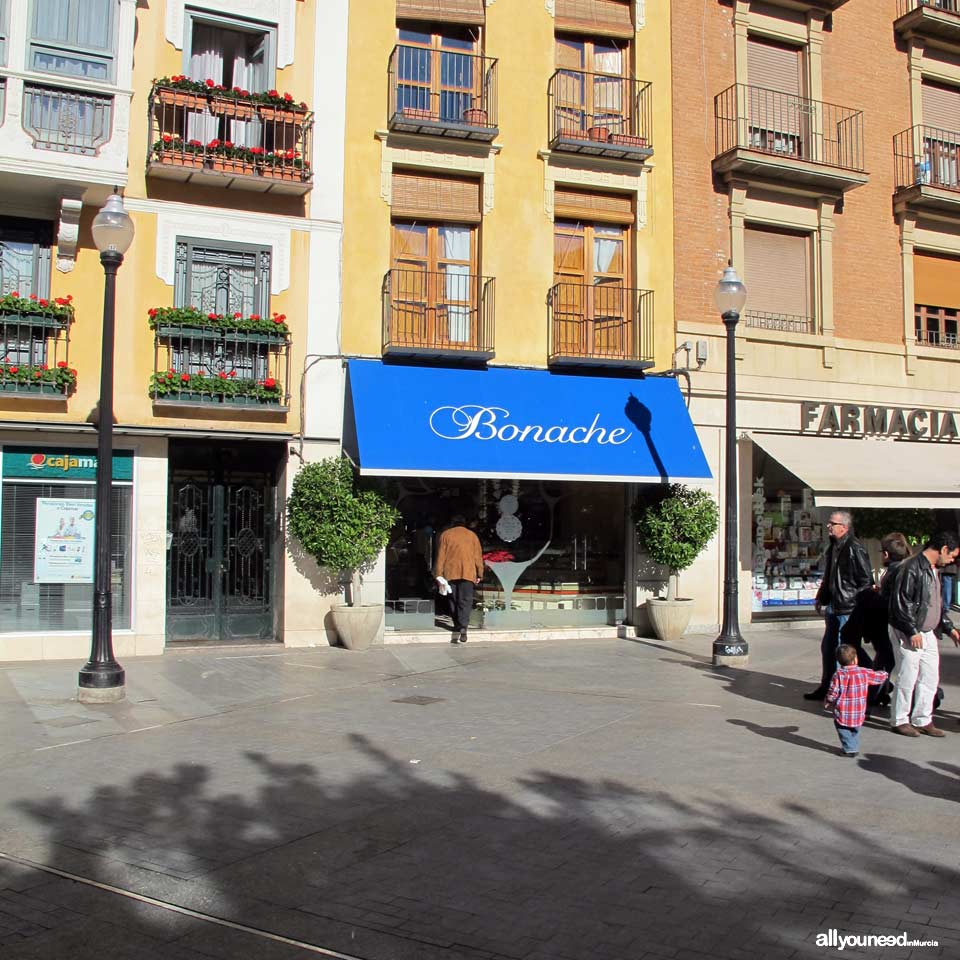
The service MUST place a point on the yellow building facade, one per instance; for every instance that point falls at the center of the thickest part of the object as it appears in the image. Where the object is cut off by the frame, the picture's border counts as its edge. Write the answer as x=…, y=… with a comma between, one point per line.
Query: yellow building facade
x=232, y=280
x=508, y=227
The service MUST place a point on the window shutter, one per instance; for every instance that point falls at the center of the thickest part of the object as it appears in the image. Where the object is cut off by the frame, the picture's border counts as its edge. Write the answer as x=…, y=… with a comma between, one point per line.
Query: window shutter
x=425, y=196
x=777, y=272
x=941, y=107
x=936, y=280
x=606, y=18
x=585, y=207
x=774, y=66
x=445, y=11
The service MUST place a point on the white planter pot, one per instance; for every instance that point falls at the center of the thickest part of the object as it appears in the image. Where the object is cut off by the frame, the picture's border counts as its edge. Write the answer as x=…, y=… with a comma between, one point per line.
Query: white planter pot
x=357, y=627
x=669, y=618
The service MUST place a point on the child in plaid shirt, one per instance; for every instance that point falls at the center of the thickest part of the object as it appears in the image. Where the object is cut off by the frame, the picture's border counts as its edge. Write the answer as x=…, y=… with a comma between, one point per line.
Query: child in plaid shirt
x=847, y=697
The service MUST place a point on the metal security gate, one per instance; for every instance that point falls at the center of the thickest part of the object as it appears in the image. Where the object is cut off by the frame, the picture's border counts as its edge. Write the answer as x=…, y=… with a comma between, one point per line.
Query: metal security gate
x=220, y=558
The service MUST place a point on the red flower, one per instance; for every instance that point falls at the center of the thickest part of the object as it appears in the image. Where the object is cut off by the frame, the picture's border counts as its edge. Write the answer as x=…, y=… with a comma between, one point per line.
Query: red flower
x=277, y=319
x=43, y=303
x=228, y=144
x=36, y=374
x=13, y=370
x=167, y=138
x=256, y=151
x=195, y=143
x=185, y=377
x=233, y=373
x=43, y=366
x=15, y=294
x=61, y=364
x=213, y=144
x=288, y=98
x=272, y=93
x=73, y=372
x=211, y=316
x=237, y=90
x=63, y=302
x=303, y=105
x=269, y=383
x=237, y=316
x=245, y=93
x=152, y=312
x=255, y=316
x=209, y=83
x=33, y=296
x=69, y=297
x=289, y=154
x=171, y=371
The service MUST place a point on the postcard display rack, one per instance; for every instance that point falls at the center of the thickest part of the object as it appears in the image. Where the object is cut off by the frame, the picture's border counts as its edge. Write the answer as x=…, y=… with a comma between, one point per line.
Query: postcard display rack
x=788, y=547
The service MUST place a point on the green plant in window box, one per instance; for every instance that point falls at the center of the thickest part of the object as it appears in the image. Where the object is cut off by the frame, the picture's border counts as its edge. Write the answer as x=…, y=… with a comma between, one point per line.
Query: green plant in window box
x=178, y=321
x=182, y=83
x=216, y=387
x=57, y=311
x=674, y=524
x=37, y=378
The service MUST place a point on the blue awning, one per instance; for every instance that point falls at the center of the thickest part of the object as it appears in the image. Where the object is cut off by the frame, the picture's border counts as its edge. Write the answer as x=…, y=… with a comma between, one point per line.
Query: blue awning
x=426, y=421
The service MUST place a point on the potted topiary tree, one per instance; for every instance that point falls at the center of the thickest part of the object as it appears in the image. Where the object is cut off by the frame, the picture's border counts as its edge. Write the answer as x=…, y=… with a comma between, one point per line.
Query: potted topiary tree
x=344, y=528
x=673, y=526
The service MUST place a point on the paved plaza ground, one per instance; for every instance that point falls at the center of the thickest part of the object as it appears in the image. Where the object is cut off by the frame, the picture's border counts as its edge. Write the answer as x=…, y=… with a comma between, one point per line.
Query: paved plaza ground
x=565, y=800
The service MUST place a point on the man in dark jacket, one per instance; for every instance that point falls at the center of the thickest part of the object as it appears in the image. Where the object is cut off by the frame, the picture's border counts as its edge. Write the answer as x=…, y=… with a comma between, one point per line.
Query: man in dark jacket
x=846, y=573
x=916, y=617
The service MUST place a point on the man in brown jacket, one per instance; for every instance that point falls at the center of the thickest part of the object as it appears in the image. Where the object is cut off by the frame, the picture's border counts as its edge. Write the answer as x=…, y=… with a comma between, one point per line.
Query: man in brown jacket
x=460, y=562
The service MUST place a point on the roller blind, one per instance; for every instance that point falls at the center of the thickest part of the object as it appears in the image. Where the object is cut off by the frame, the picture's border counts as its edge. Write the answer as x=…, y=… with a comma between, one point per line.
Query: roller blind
x=448, y=11
x=608, y=18
x=584, y=206
x=777, y=272
x=941, y=106
x=427, y=196
x=774, y=66
x=936, y=280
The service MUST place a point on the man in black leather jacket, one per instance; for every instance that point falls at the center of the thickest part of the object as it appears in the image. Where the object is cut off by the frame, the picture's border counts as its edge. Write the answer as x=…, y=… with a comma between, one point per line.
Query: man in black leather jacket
x=916, y=617
x=846, y=573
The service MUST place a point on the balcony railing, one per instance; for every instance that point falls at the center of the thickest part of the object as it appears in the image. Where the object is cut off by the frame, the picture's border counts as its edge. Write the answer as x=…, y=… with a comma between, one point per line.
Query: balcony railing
x=221, y=141
x=600, y=115
x=438, y=313
x=35, y=355
x=442, y=92
x=68, y=121
x=927, y=156
x=784, y=323
x=795, y=128
x=209, y=367
x=907, y=6
x=937, y=327
x=604, y=323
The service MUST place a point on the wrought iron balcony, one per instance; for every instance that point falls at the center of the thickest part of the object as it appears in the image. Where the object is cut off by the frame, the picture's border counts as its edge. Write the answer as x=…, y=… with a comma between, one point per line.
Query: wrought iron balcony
x=780, y=136
x=937, y=327
x=600, y=115
x=67, y=121
x=216, y=140
x=211, y=367
x=35, y=354
x=927, y=168
x=443, y=93
x=929, y=18
x=780, y=322
x=442, y=313
x=601, y=324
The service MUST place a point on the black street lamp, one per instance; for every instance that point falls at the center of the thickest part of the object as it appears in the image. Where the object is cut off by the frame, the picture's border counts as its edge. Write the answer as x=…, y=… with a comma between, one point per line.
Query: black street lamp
x=730, y=649
x=101, y=679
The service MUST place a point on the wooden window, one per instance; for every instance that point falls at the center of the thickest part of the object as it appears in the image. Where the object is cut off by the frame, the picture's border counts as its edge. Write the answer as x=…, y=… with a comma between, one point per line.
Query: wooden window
x=609, y=18
x=439, y=74
x=779, y=277
x=427, y=196
x=591, y=300
x=775, y=66
x=584, y=206
x=447, y=11
x=434, y=284
x=590, y=85
x=936, y=326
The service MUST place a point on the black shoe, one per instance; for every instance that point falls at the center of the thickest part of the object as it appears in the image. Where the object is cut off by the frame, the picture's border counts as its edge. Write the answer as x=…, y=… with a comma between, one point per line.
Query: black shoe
x=455, y=636
x=463, y=636
x=819, y=694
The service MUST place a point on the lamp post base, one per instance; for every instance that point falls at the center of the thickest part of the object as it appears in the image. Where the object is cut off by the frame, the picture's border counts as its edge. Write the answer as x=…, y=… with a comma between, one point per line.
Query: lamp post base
x=731, y=652
x=101, y=694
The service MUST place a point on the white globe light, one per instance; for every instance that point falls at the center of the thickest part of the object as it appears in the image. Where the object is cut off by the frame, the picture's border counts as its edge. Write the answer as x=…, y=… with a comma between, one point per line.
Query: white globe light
x=112, y=227
x=730, y=294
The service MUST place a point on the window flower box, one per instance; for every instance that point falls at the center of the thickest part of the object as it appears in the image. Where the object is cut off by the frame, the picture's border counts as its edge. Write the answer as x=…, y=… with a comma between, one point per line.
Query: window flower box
x=418, y=113
x=226, y=106
x=182, y=95
x=191, y=322
x=628, y=140
x=36, y=311
x=171, y=386
x=233, y=165
x=37, y=378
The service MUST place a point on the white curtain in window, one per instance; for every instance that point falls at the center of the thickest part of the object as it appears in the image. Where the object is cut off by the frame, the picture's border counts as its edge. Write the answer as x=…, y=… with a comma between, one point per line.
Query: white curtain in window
x=608, y=61
x=93, y=24
x=248, y=56
x=603, y=253
x=51, y=20
x=206, y=63
x=456, y=246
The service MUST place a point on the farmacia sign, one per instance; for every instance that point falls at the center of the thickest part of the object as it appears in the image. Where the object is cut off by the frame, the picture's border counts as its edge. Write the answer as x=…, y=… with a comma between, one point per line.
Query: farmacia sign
x=847, y=419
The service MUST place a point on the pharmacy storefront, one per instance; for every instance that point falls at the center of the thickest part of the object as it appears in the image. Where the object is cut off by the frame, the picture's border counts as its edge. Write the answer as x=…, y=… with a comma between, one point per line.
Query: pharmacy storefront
x=838, y=456
x=544, y=467
x=47, y=514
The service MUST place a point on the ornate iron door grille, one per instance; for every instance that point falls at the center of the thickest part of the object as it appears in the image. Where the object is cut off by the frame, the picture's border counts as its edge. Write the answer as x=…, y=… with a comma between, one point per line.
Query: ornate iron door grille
x=220, y=560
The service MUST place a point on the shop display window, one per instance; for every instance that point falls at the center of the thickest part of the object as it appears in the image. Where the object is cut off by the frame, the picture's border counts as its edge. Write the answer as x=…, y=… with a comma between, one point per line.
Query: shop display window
x=789, y=541
x=554, y=552
x=27, y=606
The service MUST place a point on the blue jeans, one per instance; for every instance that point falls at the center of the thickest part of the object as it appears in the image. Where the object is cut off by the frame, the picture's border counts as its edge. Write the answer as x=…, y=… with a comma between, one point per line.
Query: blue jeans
x=946, y=587
x=829, y=643
x=849, y=738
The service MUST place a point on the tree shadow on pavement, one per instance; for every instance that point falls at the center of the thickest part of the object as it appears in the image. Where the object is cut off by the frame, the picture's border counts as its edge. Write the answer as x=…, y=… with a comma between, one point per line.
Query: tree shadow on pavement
x=370, y=855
